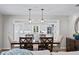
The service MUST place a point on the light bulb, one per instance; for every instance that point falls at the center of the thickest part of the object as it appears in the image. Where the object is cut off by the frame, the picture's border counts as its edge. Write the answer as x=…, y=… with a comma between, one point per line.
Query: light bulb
x=42, y=21
x=30, y=21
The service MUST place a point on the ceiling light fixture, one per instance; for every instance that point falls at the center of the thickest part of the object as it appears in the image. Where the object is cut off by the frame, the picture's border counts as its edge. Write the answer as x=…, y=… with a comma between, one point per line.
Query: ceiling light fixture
x=30, y=15
x=42, y=20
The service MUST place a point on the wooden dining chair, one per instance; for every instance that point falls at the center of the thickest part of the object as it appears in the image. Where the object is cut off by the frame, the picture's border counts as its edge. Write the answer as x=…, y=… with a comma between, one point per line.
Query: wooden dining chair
x=47, y=43
x=25, y=43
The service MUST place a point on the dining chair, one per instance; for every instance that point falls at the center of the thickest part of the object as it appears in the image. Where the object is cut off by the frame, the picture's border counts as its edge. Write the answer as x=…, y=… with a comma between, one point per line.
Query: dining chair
x=12, y=41
x=46, y=43
x=57, y=45
x=25, y=43
x=41, y=45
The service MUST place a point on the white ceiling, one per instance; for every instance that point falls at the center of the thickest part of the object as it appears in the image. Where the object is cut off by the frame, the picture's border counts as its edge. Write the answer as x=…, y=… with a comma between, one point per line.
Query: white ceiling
x=50, y=9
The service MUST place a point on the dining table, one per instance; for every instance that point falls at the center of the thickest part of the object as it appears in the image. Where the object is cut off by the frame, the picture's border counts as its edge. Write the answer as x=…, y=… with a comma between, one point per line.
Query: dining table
x=35, y=42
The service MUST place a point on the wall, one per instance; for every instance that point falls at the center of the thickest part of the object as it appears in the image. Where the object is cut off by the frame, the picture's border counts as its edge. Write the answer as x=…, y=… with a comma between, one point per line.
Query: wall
x=71, y=25
x=8, y=27
x=1, y=31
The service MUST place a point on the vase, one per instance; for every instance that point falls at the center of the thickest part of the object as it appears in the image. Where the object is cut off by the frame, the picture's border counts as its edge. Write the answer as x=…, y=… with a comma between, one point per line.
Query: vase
x=76, y=37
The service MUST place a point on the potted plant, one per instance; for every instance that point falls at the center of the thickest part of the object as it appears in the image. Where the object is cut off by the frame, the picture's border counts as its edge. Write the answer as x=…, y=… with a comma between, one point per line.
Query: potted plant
x=76, y=36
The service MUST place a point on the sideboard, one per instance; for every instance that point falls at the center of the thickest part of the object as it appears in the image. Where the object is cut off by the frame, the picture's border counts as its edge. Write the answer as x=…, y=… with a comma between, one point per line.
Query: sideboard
x=72, y=44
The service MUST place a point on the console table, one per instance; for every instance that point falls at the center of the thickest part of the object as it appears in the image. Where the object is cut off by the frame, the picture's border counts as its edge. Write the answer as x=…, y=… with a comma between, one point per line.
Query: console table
x=72, y=44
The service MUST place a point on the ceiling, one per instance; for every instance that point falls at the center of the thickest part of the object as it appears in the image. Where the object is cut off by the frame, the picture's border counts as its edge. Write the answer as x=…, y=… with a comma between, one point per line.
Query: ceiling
x=49, y=9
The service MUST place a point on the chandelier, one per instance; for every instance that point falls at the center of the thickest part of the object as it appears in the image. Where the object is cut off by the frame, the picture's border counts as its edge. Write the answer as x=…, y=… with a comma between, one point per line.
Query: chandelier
x=42, y=18
x=30, y=15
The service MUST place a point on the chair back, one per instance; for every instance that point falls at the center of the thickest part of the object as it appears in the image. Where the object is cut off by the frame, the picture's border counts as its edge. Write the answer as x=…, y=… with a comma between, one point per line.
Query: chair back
x=25, y=39
x=46, y=39
x=61, y=39
x=47, y=43
x=10, y=39
x=25, y=42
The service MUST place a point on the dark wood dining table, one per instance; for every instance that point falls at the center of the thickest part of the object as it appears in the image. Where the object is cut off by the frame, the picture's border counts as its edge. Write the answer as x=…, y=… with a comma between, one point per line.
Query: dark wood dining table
x=51, y=43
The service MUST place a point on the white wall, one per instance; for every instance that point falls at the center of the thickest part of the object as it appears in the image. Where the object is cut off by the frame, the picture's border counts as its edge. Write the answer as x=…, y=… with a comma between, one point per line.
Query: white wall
x=71, y=25
x=1, y=31
x=8, y=27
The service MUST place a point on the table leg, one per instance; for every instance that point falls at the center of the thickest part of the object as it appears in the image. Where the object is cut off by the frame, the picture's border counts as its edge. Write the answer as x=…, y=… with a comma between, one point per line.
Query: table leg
x=51, y=47
x=35, y=46
x=12, y=46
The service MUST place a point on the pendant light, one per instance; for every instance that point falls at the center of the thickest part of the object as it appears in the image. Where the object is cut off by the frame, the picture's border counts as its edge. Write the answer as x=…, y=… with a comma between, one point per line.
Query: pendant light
x=30, y=15
x=42, y=20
